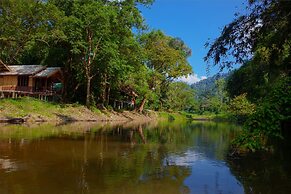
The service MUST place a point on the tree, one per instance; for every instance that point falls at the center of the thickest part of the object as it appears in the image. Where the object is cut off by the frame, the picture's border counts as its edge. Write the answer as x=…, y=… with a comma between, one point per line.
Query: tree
x=240, y=108
x=182, y=100
x=100, y=42
x=166, y=57
x=25, y=24
x=262, y=35
x=88, y=33
x=260, y=41
x=249, y=79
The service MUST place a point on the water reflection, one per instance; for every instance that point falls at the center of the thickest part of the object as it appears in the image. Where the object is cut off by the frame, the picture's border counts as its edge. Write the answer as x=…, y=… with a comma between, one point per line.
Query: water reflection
x=117, y=158
x=186, y=159
x=264, y=172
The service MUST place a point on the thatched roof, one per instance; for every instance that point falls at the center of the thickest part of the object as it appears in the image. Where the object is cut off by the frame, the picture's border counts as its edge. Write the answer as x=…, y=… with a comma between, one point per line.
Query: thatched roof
x=48, y=72
x=23, y=70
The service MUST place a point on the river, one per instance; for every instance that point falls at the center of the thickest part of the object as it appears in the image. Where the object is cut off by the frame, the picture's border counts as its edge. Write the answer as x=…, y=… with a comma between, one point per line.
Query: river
x=148, y=158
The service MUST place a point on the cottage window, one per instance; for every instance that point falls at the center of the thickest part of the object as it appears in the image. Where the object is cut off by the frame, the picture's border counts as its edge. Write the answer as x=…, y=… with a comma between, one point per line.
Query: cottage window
x=22, y=80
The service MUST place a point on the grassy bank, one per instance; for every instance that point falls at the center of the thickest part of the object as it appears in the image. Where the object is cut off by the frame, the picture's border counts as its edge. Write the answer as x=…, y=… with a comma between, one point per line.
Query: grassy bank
x=189, y=116
x=34, y=110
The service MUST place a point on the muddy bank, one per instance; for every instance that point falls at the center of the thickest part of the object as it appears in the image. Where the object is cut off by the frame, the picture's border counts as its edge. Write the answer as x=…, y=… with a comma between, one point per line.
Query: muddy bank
x=82, y=116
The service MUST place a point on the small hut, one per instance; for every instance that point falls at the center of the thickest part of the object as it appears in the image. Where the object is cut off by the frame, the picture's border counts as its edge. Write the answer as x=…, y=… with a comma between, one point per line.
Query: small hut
x=29, y=80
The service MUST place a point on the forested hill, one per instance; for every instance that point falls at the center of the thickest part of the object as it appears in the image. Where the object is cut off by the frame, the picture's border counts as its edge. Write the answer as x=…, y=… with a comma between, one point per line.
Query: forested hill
x=208, y=86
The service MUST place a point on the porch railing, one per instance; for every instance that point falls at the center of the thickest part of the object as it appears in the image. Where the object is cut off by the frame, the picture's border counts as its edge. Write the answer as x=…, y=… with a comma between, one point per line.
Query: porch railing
x=16, y=88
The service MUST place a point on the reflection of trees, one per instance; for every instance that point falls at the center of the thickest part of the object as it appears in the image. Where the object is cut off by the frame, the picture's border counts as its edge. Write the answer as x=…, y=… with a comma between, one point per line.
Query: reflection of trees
x=264, y=173
x=138, y=168
x=119, y=159
x=83, y=184
x=139, y=131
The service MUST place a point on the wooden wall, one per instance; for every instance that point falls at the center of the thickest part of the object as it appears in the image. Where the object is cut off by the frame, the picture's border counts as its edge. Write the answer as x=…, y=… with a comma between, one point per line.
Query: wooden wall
x=31, y=81
x=9, y=80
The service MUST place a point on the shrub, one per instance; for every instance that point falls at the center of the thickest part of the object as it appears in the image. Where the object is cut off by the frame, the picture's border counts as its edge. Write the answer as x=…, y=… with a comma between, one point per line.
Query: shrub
x=240, y=108
x=264, y=125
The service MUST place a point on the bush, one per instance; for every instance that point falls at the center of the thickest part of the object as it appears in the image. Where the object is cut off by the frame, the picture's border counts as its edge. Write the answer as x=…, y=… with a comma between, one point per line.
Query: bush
x=240, y=108
x=264, y=125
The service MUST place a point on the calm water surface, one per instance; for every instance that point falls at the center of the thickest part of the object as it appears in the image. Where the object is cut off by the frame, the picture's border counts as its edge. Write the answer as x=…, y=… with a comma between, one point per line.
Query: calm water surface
x=153, y=158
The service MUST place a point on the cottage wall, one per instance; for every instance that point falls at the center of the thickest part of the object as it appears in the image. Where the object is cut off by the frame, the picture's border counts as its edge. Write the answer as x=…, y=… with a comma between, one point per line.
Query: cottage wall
x=10, y=80
x=31, y=82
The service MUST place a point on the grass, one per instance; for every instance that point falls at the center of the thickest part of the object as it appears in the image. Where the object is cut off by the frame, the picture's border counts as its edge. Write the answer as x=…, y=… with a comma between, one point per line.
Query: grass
x=22, y=107
x=177, y=116
x=25, y=106
x=182, y=115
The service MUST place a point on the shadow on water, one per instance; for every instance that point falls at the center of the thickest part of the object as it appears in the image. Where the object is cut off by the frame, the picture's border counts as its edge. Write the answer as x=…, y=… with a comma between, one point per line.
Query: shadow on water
x=131, y=157
x=264, y=172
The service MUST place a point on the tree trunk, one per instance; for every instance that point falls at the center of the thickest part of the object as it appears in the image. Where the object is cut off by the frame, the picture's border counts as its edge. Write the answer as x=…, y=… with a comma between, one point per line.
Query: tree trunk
x=102, y=89
x=141, y=106
x=108, y=95
x=88, y=92
x=67, y=73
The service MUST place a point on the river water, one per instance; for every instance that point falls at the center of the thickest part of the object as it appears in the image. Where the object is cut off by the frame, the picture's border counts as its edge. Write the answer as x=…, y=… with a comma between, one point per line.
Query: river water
x=148, y=158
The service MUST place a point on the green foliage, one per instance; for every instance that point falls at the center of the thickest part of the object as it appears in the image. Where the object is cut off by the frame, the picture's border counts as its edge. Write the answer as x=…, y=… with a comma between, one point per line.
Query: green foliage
x=175, y=116
x=166, y=55
x=93, y=40
x=250, y=79
x=95, y=110
x=264, y=125
x=247, y=141
x=157, y=67
x=180, y=96
x=263, y=32
x=211, y=96
x=25, y=26
x=240, y=108
x=260, y=40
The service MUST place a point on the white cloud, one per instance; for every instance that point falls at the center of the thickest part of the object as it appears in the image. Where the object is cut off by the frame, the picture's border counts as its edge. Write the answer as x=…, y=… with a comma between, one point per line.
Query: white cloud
x=203, y=77
x=191, y=79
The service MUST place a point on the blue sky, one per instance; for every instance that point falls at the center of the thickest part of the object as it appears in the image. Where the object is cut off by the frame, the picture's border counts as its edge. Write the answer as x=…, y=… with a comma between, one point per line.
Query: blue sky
x=194, y=21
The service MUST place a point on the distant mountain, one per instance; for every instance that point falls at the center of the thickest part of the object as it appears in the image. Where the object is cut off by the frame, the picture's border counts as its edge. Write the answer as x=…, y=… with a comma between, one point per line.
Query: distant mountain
x=207, y=86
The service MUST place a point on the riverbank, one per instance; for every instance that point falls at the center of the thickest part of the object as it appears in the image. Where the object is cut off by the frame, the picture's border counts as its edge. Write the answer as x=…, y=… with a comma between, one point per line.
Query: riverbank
x=34, y=110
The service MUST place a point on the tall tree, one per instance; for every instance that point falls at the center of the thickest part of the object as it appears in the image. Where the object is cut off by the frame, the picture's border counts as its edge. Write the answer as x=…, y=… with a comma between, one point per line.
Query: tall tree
x=182, y=100
x=166, y=57
x=100, y=40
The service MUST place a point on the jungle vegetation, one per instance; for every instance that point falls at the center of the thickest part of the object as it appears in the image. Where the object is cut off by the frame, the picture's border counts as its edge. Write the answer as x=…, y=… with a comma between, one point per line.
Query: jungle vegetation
x=106, y=50
x=259, y=90
x=109, y=54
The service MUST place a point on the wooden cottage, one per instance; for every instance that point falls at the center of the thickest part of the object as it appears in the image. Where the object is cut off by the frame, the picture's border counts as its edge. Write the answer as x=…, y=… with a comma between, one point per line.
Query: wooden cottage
x=31, y=80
